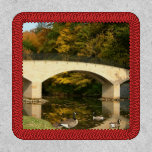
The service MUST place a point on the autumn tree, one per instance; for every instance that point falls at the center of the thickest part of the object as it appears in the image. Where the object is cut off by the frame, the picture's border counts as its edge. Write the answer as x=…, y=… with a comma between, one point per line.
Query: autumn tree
x=31, y=42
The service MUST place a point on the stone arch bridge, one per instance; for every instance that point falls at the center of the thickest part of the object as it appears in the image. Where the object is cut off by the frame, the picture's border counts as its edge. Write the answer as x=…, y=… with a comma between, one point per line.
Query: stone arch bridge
x=35, y=72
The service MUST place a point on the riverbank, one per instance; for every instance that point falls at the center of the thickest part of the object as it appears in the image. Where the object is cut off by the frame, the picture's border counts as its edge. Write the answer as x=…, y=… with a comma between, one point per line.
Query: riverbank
x=34, y=123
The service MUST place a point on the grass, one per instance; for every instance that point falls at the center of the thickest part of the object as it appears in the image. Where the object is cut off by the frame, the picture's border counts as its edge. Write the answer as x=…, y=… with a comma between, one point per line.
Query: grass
x=35, y=123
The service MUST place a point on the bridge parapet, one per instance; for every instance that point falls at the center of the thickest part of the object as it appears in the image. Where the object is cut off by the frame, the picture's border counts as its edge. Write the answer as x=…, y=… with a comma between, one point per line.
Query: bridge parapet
x=75, y=58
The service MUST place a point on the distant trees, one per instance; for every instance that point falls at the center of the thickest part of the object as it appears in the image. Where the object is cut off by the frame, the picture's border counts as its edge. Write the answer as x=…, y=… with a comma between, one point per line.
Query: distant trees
x=108, y=41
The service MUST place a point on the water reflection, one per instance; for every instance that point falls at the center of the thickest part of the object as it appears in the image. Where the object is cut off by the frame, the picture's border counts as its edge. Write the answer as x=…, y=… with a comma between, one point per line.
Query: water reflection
x=57, y=110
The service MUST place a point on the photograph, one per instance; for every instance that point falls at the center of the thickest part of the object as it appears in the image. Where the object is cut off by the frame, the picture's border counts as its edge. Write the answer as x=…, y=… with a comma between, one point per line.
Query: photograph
x=76, y=75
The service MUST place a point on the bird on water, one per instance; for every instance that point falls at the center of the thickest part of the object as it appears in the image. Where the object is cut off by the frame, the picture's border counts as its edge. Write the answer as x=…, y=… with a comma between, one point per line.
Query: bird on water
x=68, y=123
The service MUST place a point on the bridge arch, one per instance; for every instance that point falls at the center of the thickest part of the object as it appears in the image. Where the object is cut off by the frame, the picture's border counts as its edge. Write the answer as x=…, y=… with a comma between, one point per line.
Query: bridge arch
x=102, y=78
x=94, y=75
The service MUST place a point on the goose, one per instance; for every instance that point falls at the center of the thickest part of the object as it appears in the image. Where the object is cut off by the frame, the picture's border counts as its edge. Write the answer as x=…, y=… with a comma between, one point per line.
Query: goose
x=115, y=124
x=98, y=118
x=69, y=123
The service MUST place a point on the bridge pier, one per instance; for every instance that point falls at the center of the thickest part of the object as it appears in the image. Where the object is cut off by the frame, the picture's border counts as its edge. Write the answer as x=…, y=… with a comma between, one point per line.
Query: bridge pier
x=32, y=89
x=36, y=90
x=111, y=91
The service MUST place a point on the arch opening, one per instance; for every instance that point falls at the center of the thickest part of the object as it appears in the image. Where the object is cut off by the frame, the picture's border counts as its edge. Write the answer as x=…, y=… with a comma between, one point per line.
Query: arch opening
x=27, y=88
x=124, y=94
x=76, y=81
x=124, y=89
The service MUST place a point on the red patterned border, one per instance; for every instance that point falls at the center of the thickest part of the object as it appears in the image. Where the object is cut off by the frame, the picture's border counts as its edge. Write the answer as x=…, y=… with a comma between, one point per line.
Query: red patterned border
x=118, y=17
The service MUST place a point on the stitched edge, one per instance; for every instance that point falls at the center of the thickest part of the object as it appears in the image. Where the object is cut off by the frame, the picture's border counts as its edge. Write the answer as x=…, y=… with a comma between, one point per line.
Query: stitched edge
x=17, y=82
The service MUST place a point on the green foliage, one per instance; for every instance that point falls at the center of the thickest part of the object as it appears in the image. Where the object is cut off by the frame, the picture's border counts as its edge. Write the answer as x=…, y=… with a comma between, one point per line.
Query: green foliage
x=29, y=46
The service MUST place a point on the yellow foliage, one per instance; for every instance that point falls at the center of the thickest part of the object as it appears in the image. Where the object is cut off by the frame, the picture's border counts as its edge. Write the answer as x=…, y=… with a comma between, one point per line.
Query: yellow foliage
x=63, y=48
x=83, y=81
x=73, y=78
x=77, y=28
x=61, y=80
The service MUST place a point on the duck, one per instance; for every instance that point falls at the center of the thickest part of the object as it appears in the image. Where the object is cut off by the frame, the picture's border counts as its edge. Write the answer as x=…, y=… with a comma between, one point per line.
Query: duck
x=69, y=123
x=115, y=124
x=98, y=118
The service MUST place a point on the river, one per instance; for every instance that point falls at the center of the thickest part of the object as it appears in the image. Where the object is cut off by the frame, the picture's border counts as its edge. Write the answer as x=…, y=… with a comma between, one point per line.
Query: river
x=58, y=109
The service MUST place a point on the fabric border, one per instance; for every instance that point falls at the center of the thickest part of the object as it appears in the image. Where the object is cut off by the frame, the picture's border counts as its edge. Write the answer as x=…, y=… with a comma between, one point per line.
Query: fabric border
x=17, y=80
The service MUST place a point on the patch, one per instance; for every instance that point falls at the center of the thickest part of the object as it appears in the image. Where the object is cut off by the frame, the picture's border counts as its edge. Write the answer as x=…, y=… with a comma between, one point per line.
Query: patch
x=76, y=76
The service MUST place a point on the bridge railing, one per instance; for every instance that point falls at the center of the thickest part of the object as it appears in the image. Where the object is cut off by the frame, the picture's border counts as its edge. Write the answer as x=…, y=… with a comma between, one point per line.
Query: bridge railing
x=60, y=57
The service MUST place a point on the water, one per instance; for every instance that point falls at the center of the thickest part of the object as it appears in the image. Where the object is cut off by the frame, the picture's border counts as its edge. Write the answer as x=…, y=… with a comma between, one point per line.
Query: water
x=58, y=109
